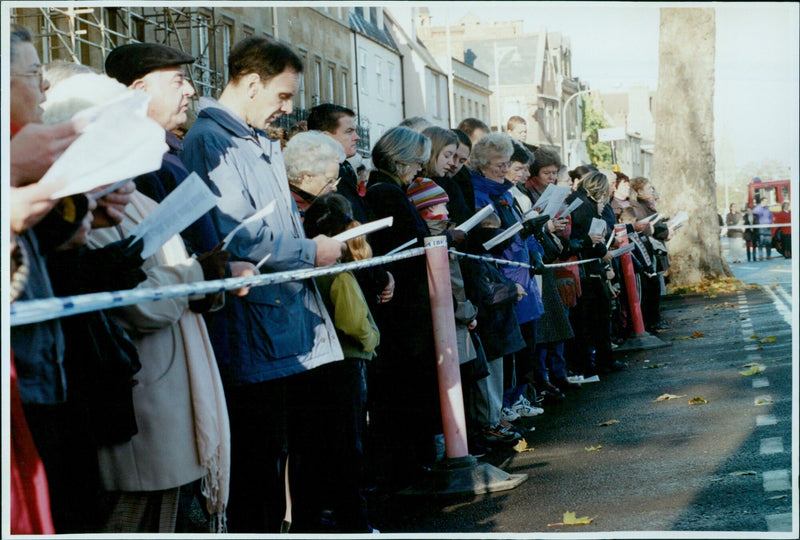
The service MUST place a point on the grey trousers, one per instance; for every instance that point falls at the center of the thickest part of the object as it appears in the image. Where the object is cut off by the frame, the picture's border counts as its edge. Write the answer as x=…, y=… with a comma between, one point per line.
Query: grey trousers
x=489, y=397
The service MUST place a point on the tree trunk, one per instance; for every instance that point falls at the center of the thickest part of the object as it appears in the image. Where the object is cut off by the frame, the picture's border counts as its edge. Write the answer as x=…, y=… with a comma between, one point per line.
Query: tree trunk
x=683, y=159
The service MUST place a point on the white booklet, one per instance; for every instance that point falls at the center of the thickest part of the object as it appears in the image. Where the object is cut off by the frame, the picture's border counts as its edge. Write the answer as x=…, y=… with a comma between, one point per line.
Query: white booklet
x=505, y=235
x=597, y=226
x=366, y=228
x=554, y=202
x=119, y=142
x=678, y=220
x=565, y=211
x=190, y=200
x=621, y=251
x=479, y=216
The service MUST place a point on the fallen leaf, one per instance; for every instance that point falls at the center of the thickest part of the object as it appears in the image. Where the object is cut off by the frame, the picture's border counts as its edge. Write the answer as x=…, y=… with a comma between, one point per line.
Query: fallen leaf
x=754, y=336
x=697, y=334
x=656, y=366
x=754, y=370
x=593, y=448
x=522, y=446
x=665, y=397
x=760, y=349
x=776, y=497
x=764, y=400
x=697, y=401
x=751, y=364
x=570, y=519
x=744, y=473
x=768, y=339
x=608, y=422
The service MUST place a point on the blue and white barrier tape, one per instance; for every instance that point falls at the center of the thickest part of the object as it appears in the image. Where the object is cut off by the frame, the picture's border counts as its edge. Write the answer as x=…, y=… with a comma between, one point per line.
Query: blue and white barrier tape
x=514, y=263
x=45, y=309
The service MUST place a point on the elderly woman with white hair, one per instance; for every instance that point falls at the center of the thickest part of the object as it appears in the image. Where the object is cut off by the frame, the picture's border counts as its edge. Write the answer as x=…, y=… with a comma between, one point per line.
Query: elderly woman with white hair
x=312, y=166
x=490, y=161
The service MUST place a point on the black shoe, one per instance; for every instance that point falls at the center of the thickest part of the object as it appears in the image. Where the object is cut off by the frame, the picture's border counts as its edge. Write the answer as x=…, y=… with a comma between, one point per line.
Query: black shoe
x=616, y=365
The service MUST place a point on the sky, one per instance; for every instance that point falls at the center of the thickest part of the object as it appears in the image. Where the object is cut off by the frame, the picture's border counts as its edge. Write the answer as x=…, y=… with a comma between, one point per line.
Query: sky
x=615, y=45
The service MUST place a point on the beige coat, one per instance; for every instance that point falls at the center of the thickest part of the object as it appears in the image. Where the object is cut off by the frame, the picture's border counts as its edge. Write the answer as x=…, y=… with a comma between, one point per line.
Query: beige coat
x=163, y=454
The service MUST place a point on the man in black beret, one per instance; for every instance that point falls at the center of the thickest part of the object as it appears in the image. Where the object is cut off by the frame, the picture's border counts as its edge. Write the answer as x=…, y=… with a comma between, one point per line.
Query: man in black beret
x=159, y=71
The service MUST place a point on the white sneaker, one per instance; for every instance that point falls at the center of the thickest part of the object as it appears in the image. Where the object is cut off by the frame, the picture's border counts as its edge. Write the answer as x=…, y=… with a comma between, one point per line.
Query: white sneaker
x=508, y=414
x=523, y=407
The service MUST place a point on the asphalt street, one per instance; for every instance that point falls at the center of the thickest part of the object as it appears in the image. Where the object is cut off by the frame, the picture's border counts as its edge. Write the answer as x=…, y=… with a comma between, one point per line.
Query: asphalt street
x=722, y=465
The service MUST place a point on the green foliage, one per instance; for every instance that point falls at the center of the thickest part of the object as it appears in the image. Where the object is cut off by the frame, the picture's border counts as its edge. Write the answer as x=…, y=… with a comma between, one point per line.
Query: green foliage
x=594, y=119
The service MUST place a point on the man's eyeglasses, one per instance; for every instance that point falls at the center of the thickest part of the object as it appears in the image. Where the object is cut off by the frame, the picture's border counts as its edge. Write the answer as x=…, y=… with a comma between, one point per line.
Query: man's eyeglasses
x=31, y=73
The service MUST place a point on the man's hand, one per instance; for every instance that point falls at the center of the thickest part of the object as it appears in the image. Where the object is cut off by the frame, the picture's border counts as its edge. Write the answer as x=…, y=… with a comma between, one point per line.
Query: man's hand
x=328, y=250
x=596, y=238
x=557, y=225
x=36, y=147
x=29, y=204
x=388, y=292
x=242, y=269
x=111, y=206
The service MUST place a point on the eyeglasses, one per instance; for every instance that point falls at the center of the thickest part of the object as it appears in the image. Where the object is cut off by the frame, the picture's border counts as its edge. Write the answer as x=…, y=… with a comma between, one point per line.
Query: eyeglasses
x=39, y=72
x=329, y=183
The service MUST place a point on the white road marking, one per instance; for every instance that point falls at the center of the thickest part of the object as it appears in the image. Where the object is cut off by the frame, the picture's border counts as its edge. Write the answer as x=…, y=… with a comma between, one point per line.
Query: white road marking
x=780, y=306
x=771, y=445
x=777, y=480
x=761, y=382
x=766, y=420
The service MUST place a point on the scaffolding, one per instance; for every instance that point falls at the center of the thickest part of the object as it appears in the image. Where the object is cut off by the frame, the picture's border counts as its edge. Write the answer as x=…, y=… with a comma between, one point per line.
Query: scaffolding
x=85, y=35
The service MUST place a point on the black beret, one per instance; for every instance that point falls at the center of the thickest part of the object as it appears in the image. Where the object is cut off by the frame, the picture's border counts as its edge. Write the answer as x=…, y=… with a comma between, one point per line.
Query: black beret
x=132, y=61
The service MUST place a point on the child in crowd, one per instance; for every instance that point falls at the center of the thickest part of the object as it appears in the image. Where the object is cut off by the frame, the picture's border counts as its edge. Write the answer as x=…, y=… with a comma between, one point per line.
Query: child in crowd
x=358, y=334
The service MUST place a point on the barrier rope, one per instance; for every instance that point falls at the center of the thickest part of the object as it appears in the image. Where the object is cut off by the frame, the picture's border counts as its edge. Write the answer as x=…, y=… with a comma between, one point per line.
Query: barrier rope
x=45, y=309
x=514, y=263
x=757, y=226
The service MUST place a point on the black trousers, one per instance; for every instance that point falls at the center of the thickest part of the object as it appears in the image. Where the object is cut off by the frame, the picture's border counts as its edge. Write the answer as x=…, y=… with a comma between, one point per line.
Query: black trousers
x=314, y=418
x=591, y=323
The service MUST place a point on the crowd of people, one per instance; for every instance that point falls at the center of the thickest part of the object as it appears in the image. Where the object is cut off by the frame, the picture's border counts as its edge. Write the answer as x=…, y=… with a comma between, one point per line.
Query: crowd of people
x=287, y=403
x=758, y=242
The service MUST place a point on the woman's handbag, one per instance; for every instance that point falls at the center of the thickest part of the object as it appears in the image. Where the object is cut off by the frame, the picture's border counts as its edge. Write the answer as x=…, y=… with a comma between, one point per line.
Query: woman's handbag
x=480, y=366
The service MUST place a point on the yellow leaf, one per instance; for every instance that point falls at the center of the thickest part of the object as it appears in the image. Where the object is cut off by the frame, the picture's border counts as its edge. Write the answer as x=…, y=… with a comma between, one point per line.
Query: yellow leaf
x=754, y=336
x=768, y=339
x=697, y=401
x=608, y=422
x=656, y=366
x=697, y=334
x=754, y=370
x=764, y=400
x=665, y=397
x=522, y=446
x=570, y=519
x=593, y=448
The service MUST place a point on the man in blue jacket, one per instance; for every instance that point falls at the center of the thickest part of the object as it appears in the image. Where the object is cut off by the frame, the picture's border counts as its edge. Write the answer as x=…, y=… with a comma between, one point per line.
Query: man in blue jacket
x=270, y=345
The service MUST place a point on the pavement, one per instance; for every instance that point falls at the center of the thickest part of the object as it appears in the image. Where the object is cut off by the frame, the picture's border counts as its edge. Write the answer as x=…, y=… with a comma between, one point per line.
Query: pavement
x=720, y=464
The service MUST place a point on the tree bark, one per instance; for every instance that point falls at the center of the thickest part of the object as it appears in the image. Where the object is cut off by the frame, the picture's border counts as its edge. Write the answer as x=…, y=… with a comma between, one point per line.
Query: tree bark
x=683, y=159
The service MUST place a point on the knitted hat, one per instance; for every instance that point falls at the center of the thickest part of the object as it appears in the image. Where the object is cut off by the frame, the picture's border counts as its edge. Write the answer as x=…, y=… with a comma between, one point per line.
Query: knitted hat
x=424, y=193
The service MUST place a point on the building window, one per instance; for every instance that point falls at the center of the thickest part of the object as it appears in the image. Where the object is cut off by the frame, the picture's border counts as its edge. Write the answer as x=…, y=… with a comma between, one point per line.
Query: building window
x=317, y=97
x=362, y=70
x=301, y=90
x=248, y=31
x=227, y=41
x=344, y=89
x=379, y=91
x=331, y=96
x=390, y=77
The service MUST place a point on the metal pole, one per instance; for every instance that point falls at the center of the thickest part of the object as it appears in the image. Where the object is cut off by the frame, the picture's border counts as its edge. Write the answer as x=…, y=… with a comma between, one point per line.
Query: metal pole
x=564, y=124
x=444, y=335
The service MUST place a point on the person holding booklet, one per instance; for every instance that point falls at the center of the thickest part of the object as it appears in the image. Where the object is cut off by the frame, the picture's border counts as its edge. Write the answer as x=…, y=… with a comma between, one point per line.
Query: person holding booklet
x=270, y=343
x=591, y=316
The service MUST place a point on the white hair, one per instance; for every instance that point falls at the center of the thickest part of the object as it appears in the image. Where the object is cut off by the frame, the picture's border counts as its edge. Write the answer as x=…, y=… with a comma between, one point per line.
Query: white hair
x=77, y=93
x=309, y=152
